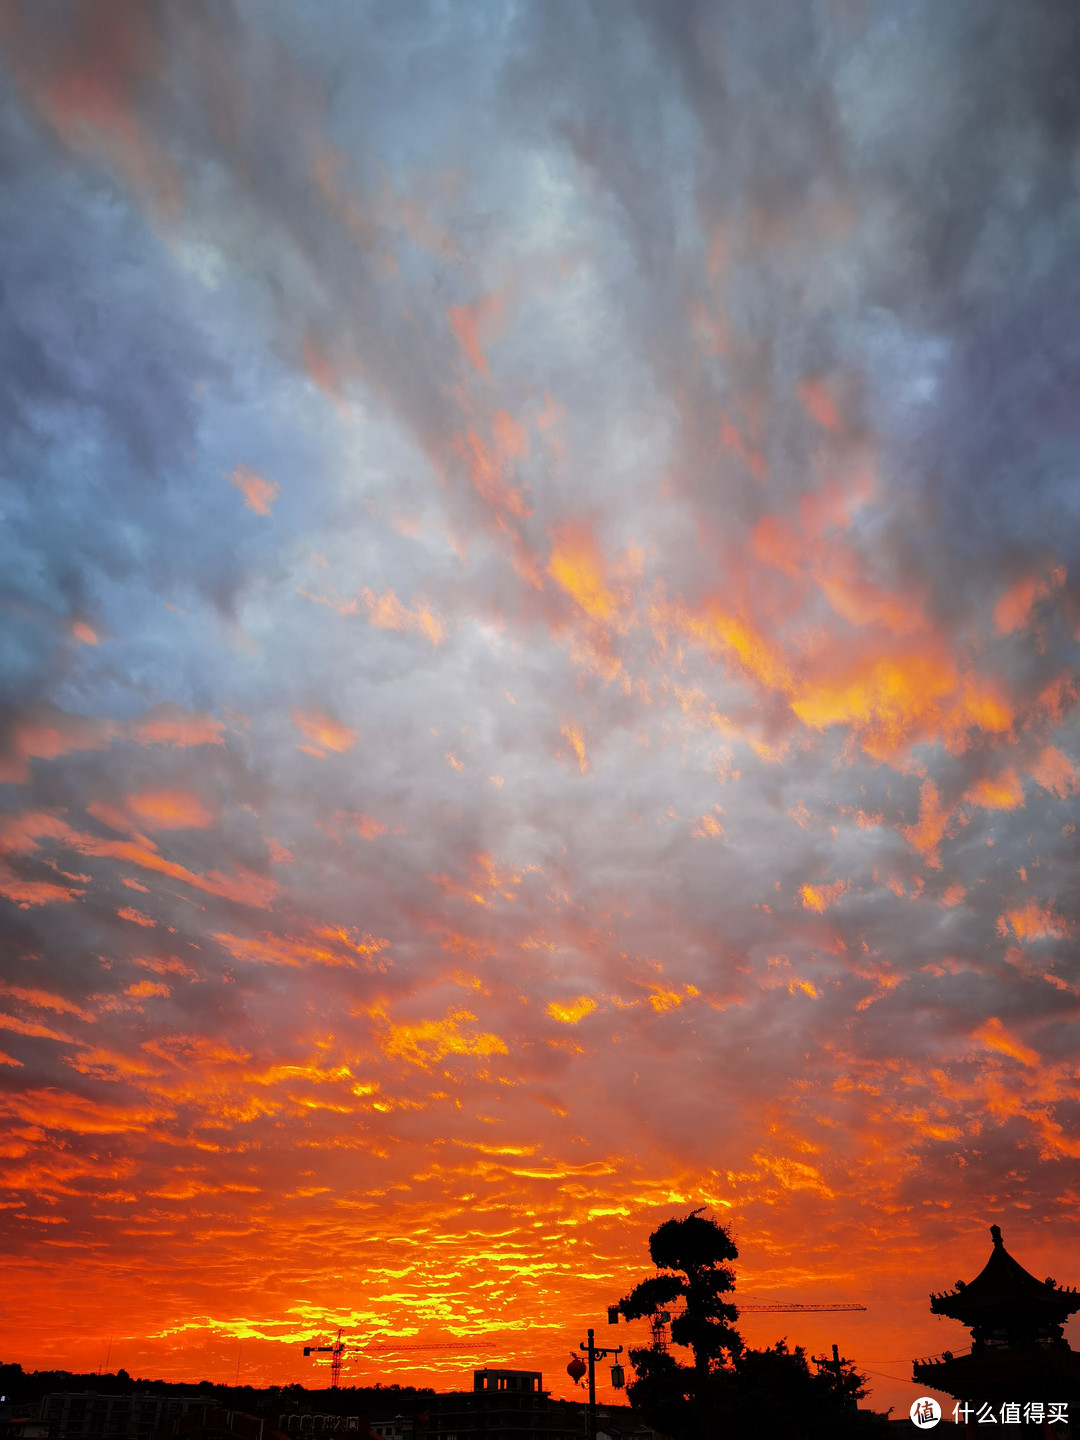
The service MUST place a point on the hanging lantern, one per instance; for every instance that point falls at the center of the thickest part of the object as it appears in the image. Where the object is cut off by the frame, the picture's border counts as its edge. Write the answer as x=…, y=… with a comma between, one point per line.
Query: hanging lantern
x=613, y=1314
x=618, y=1376
x=576, y=1368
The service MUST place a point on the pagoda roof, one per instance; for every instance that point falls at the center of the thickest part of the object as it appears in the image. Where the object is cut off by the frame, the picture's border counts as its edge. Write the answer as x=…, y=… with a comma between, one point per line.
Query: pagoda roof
x=1028, y=1374
x=1004, y=1287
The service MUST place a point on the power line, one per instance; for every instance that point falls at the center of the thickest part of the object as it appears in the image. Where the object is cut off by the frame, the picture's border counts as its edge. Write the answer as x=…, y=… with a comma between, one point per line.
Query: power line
x=795, y=1308
x=436, y=1345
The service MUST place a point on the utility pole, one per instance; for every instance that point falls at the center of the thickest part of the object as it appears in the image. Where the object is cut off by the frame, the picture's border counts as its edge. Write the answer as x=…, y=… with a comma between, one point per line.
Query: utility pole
x=835, y=1366
x=595, y=1352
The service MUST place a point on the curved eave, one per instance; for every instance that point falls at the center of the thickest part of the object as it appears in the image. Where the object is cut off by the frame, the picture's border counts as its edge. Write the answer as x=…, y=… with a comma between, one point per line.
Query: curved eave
x=1053, y=1308
x=977, y=1373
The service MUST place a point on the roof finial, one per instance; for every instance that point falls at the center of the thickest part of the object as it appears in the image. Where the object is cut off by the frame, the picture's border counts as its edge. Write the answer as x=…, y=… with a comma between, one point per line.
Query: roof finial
x=995, y=1235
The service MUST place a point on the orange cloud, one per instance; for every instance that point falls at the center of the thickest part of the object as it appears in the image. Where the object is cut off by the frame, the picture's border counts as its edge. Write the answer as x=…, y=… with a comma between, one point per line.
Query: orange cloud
x=574, y=736
x=1054, y=772
x=426, y=1042
x=27, y=893
x=894, y=700
x=144, y=989
x=927, y=834
x=819, y=897
x=997, y=792
x=576, y=565
x=836, y=570
x=169, y=810
x=486, y=879
x=326, y=945
x=509, y=435
x=31, y=1028
x=995, y=1037
x=172, y=725
x=84, y=633
x=320, y=367
x=243, y=886
x=552, y=415
x=736, y=637
x=45, y=1000
x=1013, y=608
x=706, y=827
x=488, y=467
x=48, y=739
x=819, y=404
x=894, y=684
x=105, y=1064
x=60, y=1110
x=804, y=987
x=776, y=543
x=259, y=494
x=1033, y=921
x=838, y=574
x=753, y=460
x=135, y=916
x=661, y=999
x=477, y=323
x=171, y=966
x=833, y=505
x=388, y=613
x=21, y=834
x=369, y=826
x=86, y=84
x=322, y=734
x=571, y=1012
x=801, y=816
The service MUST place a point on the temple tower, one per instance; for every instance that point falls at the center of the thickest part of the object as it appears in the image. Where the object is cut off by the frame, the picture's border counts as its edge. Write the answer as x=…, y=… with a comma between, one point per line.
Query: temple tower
x=1019, y=1353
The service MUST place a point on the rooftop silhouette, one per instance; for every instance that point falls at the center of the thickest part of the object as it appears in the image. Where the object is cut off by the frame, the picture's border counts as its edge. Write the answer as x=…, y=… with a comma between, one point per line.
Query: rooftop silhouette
x=1018, y=1348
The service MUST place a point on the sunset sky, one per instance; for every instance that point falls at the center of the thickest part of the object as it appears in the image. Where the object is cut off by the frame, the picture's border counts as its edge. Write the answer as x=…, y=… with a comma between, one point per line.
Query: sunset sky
x=540, y=609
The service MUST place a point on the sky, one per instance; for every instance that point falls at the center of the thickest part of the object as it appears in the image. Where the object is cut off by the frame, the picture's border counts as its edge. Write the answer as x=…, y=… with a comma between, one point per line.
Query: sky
x=540, y=597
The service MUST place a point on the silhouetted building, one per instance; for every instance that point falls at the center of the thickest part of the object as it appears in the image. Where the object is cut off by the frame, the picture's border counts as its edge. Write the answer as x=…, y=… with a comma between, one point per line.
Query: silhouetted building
x=316, y=1423
x=1019, y=1354
x=217, y=1424
x=86, y=1415
x=502, y=1405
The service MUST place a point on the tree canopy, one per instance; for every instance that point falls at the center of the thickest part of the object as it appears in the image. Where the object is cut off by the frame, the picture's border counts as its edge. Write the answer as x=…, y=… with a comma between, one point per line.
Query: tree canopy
x=729, y=1389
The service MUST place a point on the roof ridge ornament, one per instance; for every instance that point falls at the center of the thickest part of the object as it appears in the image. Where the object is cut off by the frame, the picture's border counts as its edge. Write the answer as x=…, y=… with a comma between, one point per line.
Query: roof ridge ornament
x=995, y=1235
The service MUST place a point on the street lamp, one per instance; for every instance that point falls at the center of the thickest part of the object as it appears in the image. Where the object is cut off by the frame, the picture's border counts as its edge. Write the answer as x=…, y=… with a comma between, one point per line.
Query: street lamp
x=597, y=1352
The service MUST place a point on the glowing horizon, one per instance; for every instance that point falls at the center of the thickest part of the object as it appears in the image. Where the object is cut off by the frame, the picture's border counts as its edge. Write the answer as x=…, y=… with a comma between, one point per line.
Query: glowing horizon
x=540, y=672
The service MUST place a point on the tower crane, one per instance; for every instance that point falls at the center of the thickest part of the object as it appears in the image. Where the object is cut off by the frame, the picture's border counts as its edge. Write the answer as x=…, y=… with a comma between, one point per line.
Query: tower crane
x=337, y=1352
x=339, y=1349
x=661, y=1319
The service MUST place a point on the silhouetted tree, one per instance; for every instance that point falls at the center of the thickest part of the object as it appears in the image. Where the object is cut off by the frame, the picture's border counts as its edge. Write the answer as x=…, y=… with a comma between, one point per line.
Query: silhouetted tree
x=774, y=1392
x=690, y=1256
x=729, y=1391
